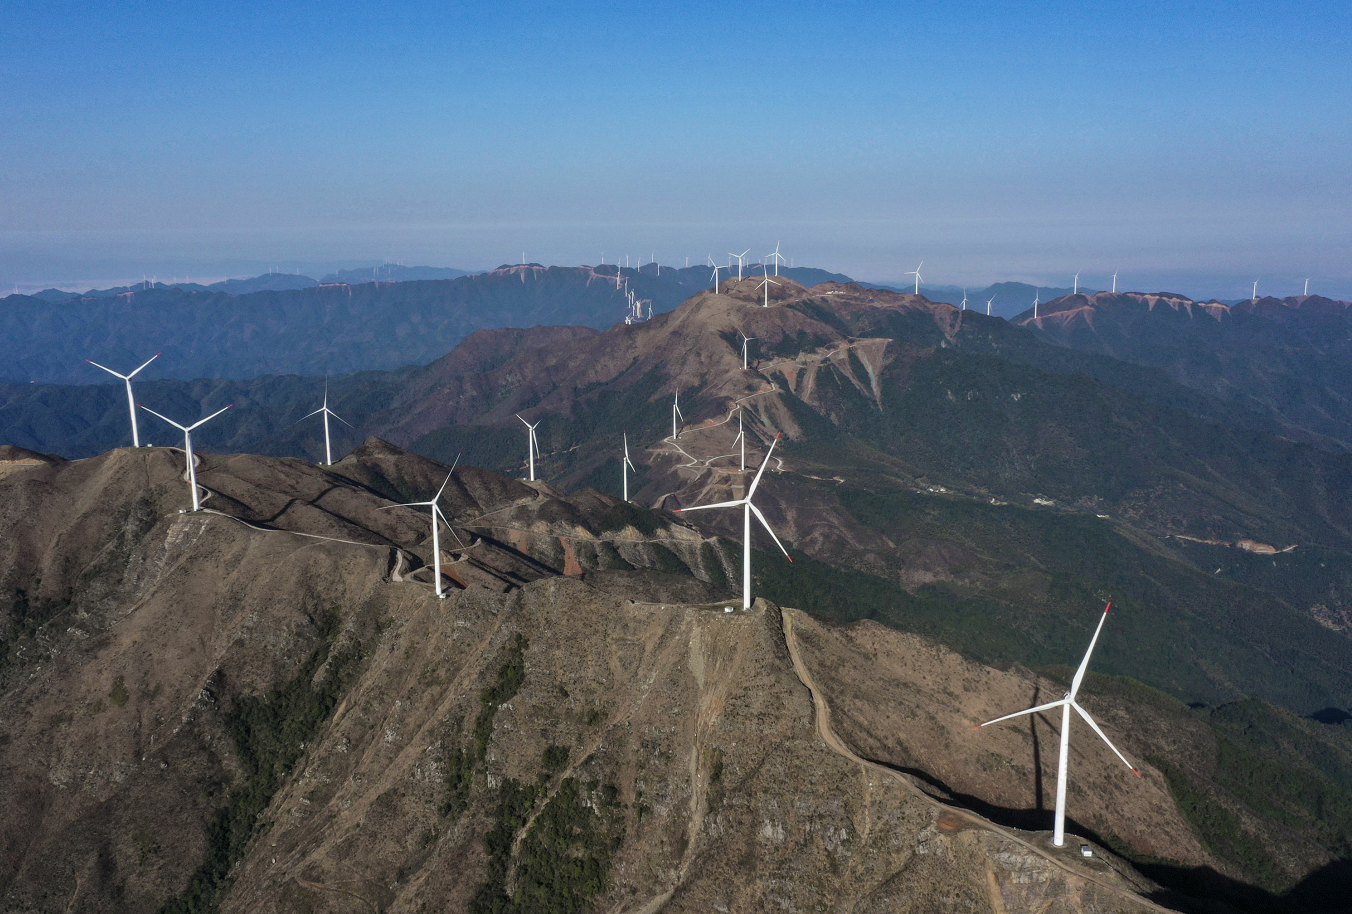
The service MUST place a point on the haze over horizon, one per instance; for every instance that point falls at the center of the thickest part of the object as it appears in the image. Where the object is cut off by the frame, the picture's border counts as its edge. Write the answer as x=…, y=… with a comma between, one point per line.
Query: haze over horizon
x=1194, y=148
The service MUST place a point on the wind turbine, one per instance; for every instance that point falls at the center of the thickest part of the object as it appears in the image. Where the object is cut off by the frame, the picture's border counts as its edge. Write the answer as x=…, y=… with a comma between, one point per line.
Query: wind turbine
x=1255, y=290
x=1114, y=282
x=626, y=465
x=766, y=284
x=1307, y=287
x=328, y=453
x=778, y=258
x=715, y=276
x=675, y=412
x=187, y=446
x=741, y=437
x=747, y=510
x=532, y=447
x=131, y=402
x=988, y=305
x=745, y=339
x=1037, y=295
x=916, y=272
x=964, y=298
x=1076, y=290
x=739, y=260
x=436, y=538
x=1065, y=704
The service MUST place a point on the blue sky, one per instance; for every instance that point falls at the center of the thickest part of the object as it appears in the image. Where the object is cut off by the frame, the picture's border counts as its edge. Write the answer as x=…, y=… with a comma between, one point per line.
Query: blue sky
x=1193, y=145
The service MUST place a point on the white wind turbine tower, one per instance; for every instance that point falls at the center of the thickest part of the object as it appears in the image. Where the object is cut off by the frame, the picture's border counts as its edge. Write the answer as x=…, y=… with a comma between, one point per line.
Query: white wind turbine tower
x=1307, y=287
x=1065, y=704
x=676, y=412
x=1076, y=290
x=741, y=437
x=131, y=402
x=532, y=448
x=964, y=298
x=766, y=284
x=747, y=510
x=187, y=446
x=989, y=302
x=436, y=538
x=739, y=260
x=1037, y=295
x=916, y=273
x=1114, y=282
x=715, y=276
x=745, y=339
x=1255, y=290
x=328, y=452
x=626, y=465
x=775, y=255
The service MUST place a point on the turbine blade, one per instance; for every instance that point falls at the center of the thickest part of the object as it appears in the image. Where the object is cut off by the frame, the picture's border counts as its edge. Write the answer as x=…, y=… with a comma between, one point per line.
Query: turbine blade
x=1047, y=707
x=1084, y=664
x=407, y=504
x=523, y=421
x=443, y=486
x=339, y=418
x=764, y=463
x=109, y=370
x=208, y=418
x=147, y=362
x=308, y=415
x=165, y=418
x=766, y=524
x=721, y=504
x=1090, y=721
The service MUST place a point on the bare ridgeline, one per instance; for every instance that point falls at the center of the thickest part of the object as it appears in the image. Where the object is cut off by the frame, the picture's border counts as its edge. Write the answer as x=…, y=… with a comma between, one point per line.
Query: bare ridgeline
x=385, y=683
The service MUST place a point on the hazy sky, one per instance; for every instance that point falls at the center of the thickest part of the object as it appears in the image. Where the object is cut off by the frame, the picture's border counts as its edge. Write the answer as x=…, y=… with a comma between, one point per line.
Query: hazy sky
x=1193, y=145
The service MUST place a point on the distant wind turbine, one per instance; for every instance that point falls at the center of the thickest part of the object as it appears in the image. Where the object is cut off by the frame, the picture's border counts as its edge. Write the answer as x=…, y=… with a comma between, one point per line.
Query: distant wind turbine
x=131, y=402
x=328, y=452
x=715, y=278
x=916, y=273
x=675, y=413
x=187, y=446
x=988, y=305
x=1114, y=282
x=436, y=539
x=1255, y=290
x=739, y=260
x=1037, y=295
x=741, y=437
x=1076, y=290
x=1307, y=287
x=532, y=448
x=964, y=299
x=1065, y=704
x=766, y=284
x=747, y=510
x=626, y=465
x=775, y=255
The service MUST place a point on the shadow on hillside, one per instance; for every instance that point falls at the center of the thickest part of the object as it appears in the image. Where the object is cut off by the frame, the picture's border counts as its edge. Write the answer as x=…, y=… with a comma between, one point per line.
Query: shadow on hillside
x=1197, y=889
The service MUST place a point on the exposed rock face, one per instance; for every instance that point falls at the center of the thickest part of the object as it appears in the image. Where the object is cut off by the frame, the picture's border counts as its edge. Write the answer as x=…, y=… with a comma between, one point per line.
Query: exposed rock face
x=209, y=709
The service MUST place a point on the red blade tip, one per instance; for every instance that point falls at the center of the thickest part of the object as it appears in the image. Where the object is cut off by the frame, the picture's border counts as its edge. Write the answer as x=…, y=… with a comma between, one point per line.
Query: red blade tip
x=789, y=557
x=1135, y=772
x=1106, y=608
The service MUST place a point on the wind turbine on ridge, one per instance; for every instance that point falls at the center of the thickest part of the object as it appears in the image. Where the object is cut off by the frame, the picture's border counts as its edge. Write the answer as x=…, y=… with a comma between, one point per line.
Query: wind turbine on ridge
x=675, y=412
x=766, y=284
x=989, y=302
x=328, y=453
x=532, y=448
x=916, y=272
x=745, y=339
x=436, y=538
x=1114, y=282
x=187, y=447
x=747, y=510
x=715, y=276
x=1065, y=704
x=1076, y=290
x=778, y=259
x=739, y=260
x=964, y=298
x=1255, y=291
x=1037, y=295
x=1307, y=287
x=131, y=402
